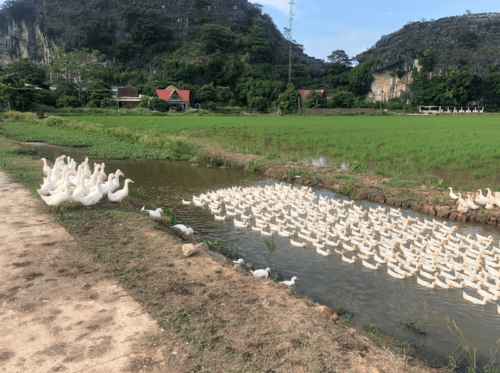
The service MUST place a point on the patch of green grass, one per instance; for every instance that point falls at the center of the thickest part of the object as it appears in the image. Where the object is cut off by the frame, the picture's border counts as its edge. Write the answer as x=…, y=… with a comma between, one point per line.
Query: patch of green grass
x=413, y=326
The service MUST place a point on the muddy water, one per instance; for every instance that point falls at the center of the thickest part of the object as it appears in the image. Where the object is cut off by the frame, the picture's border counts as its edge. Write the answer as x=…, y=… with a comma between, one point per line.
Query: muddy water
x=372, y=297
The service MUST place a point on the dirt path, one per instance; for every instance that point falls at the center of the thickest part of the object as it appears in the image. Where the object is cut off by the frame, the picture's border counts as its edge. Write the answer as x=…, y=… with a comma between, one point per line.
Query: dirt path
x=57, y=311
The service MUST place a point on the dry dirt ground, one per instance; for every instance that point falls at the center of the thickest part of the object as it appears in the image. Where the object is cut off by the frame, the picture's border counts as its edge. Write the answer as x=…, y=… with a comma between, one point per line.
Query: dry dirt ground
x=57, y=311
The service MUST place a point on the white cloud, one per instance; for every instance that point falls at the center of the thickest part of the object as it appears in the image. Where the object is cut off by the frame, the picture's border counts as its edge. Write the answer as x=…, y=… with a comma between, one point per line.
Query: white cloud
x=278, y=4
x=390, y=14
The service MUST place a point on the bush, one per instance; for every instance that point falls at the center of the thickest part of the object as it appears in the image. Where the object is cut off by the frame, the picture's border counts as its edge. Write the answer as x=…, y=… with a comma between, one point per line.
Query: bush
x=108, y=102
x=93, y=104
x=68, y=101
x=144, y=102
x=343, y=99
x=210, y=106
x=259, y=103
x=159, y=105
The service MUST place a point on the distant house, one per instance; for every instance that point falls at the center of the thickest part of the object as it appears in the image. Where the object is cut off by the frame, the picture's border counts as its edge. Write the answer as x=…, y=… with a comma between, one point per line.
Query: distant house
x=175, y=97
x=127, y=97
x=304, y=94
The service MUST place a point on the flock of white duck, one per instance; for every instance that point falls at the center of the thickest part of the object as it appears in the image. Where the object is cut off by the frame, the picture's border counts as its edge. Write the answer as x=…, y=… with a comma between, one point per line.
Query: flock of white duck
x=474, y=201
x=431, y=251
x=65, y=182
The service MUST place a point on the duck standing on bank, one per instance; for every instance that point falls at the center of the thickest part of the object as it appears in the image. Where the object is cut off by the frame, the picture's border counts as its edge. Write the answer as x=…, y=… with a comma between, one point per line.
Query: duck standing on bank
x=120, y=195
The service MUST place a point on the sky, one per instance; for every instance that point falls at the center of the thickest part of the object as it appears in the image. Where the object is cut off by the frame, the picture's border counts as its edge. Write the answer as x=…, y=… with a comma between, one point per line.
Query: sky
x=323, y=26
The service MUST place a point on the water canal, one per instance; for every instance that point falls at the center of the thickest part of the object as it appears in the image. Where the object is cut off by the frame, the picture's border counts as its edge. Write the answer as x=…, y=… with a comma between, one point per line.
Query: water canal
x=371, y=297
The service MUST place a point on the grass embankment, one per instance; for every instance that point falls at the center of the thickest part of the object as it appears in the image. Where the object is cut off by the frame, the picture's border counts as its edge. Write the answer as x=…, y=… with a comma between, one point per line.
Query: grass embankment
x=215, y=319
x=104, y=143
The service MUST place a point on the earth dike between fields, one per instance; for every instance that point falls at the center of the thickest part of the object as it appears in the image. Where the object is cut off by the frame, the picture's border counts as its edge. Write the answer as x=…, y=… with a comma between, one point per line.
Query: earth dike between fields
x=211, y=315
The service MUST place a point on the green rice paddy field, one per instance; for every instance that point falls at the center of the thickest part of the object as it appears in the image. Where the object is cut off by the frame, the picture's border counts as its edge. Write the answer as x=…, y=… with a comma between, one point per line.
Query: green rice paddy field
x=464, y=151
x=457, y=148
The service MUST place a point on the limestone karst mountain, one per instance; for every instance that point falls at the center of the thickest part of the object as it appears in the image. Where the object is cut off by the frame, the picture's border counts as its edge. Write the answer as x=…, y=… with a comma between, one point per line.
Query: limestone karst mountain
x=469, y=40
x=31, y=28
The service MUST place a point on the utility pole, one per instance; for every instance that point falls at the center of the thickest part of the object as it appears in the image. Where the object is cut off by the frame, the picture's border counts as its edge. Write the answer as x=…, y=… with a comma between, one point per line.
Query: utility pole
x=292, y=3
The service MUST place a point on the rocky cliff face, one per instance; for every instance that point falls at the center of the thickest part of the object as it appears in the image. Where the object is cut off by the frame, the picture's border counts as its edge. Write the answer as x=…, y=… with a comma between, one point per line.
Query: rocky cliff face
x=469, y=40
x=31, y=28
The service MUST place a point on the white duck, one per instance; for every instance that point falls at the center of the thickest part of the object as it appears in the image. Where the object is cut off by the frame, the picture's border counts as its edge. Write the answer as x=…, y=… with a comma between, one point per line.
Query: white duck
x=58, y=199
x=291, y=282
x=452, y=195
x=154, y=213
x=94, y=197
x=471, y=204
x=187, y=231
x=240, y=224
x=106, y=186
x=46, y=187
x=239, y=261
x=80, y=190
x=322, y=252
x=261, y=273
x=298, y=244
x=46, y=169
x=116, y=181
x=120, y=195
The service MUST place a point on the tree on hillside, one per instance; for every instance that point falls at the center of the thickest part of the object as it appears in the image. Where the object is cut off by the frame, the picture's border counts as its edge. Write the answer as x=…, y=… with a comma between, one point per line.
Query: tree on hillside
x=340, y=57
x=258, y=40
x=216, y=37
x=338, y=62
x=288, y=100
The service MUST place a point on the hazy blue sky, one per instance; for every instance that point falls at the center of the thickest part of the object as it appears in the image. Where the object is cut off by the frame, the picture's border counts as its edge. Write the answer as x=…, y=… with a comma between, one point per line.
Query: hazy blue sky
x=325, y=25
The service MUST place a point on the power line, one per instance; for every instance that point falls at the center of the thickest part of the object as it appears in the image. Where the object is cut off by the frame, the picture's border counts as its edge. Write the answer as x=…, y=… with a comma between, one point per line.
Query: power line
x=292, y=3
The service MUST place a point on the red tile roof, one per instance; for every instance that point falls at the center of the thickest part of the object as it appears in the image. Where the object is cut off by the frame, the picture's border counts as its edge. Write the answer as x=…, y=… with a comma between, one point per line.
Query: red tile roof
x=304, y=93
x=165, y=94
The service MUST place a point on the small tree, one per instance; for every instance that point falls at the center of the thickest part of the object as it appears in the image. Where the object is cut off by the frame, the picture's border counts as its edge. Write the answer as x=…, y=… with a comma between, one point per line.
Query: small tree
x=93, y=104
x=343, y=99
x=215, y=37
x=68, y=101
x=315, y=100
x=79, y=67
x=259, y=103
x=210, y=106
x=159, y=105
x=108, y=102
x=287, y=101
x=144, y=102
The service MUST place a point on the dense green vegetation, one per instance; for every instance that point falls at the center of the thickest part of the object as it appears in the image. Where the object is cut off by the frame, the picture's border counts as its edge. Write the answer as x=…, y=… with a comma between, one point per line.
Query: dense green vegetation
x=394, y=146
x=454, y=86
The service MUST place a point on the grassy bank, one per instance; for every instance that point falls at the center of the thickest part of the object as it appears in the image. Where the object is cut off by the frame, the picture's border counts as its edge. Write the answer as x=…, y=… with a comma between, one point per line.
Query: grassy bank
x=104, y=143
x=200, y=303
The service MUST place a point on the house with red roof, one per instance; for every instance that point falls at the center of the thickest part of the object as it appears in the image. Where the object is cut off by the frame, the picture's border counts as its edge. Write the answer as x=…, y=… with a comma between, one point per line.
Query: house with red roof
x=175, y=97
x=304, y=93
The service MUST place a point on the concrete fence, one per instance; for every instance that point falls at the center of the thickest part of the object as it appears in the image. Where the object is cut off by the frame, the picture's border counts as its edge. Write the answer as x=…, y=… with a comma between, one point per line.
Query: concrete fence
x=339, y=111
